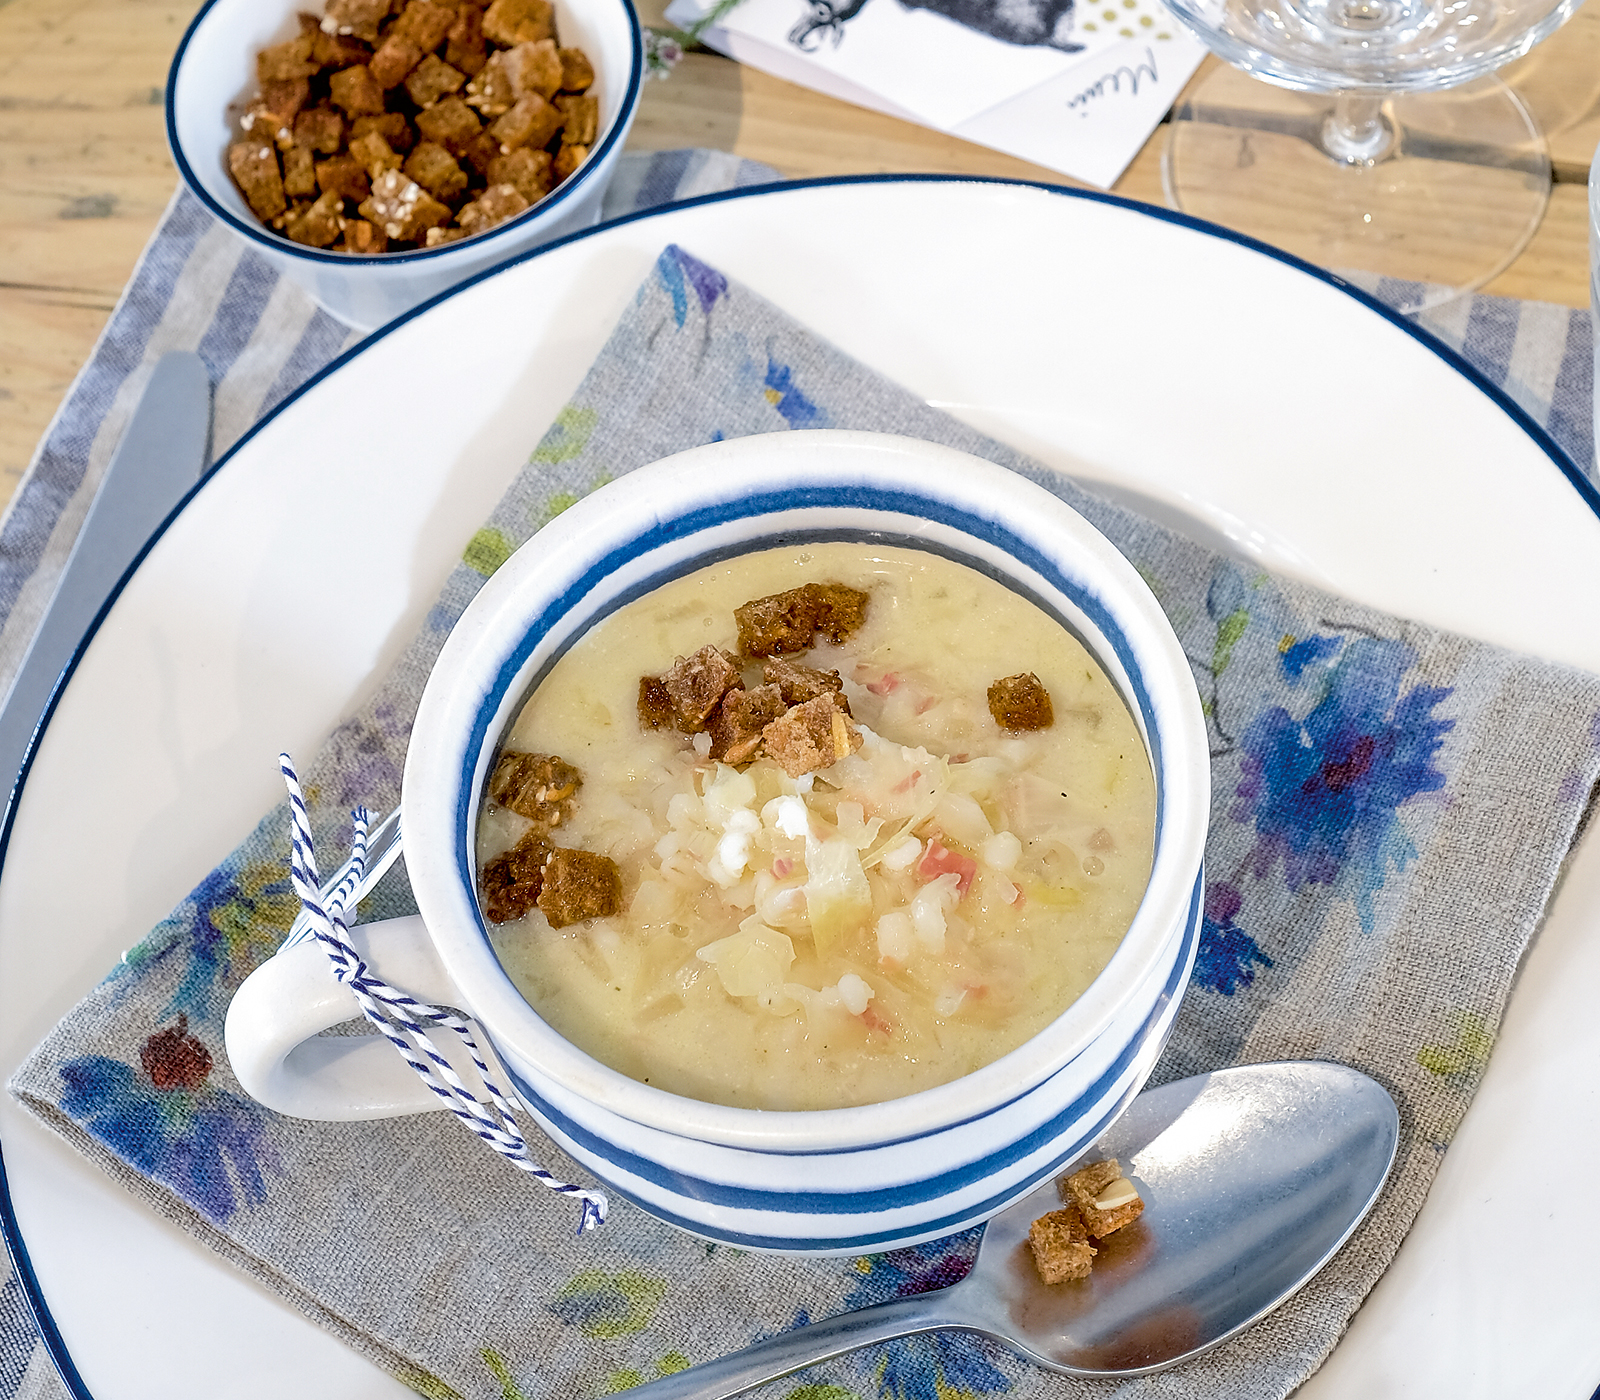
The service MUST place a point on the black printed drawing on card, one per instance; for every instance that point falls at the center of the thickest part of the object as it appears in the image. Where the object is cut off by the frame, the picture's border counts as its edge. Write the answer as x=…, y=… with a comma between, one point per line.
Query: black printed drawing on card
x=1047, y=23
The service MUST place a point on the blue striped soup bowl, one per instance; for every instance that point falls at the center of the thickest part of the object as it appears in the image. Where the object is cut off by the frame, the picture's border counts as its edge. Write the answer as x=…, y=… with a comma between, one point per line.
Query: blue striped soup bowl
x=842, y=1180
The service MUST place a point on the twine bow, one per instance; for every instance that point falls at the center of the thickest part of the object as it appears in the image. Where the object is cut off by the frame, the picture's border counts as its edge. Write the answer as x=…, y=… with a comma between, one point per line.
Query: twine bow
x=402, y=1019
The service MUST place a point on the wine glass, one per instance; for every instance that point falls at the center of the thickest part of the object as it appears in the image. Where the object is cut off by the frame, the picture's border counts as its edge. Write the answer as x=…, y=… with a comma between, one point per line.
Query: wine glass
x=1380, y=141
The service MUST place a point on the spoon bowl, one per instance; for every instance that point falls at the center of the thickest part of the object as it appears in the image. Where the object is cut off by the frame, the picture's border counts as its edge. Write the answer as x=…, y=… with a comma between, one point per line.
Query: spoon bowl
x=1252, y=1179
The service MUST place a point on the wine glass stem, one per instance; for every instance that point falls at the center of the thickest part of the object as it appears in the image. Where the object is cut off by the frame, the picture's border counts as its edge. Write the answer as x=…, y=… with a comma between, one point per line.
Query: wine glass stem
x=1355, y=132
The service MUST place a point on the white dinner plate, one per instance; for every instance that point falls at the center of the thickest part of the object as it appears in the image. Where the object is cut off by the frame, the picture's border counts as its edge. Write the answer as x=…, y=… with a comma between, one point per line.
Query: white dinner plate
x=1226, y=386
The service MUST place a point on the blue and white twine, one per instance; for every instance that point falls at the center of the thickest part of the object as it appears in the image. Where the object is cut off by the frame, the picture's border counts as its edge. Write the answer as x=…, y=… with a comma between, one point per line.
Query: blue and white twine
x=402, y=1019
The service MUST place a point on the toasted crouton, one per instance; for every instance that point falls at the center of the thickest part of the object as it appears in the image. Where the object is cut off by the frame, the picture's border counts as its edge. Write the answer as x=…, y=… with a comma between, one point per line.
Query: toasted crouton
x=1061, y=1248
x=494, y=206
x=396, y=56
x=299, y=173
x=490, y=90
x=466, y=48
x=362, y=238
x=697, y=684
x=1021, y=703
x=581, y=118
x=482, y=151
x=801, y=683
x=281, y=101
x=291, y=59
x=432, y=79
x=577, y=73
x=392, y=126
x=538, y=786
x=655, y=704
x=373, y=154
x=254, y=167
x=1104, y=1198
x=435, y=169
x=345, y=177
x=424, y=24
x=567, y=161
x=529, y=171
x=451, y=123
x=319, y=129
x=784, y=623
x=402, y=208
x=779, y=624
x=737, y=725
x=533, y=68
x=531, y=122
x=316, y=225
x=511, y=881
x=357, y=91
x=356, y=18
x=811, y=736
x=511, y=22
x=579, y=885
x=338, y=50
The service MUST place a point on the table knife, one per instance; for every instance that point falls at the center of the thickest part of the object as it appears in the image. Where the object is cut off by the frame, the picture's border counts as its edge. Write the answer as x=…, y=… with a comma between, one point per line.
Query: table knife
x=161, y=456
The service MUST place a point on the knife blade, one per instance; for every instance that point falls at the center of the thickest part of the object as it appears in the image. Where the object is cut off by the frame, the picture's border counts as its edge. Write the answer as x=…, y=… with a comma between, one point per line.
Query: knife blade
x=161, y=456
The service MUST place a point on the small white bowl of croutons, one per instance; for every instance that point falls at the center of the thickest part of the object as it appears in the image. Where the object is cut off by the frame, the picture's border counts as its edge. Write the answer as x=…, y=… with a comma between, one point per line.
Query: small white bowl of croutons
x=378, y=152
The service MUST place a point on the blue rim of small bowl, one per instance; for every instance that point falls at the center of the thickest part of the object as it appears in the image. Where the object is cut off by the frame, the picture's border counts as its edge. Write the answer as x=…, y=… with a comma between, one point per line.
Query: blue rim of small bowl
x=259, y=233
x=1586, y=490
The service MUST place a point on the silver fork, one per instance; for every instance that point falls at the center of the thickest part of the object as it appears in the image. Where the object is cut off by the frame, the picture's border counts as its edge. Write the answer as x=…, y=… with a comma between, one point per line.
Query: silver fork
x=383, y=848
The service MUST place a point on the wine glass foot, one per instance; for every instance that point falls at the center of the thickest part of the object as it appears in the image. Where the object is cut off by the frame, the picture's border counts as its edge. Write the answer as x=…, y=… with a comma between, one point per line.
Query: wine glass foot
x=1440, y=190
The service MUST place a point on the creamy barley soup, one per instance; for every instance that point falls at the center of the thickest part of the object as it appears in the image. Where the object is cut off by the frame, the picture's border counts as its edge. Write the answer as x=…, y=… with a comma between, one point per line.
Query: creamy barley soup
x=908, y=913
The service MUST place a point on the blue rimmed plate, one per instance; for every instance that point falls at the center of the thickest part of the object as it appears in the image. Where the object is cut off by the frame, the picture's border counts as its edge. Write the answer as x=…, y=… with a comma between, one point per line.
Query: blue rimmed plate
x=1117, y=343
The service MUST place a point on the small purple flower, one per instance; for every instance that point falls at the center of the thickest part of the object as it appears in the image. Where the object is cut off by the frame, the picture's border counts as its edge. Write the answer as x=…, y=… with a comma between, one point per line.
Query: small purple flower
x=934, y=1365
x=937, y=1366
x=367, y=771
x=679, y=273
x=1227, y=954
x=1324, y=792
x=916, y=1269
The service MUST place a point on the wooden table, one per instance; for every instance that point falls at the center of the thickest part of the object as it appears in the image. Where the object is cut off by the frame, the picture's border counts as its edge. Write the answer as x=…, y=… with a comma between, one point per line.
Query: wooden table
x=85, y=174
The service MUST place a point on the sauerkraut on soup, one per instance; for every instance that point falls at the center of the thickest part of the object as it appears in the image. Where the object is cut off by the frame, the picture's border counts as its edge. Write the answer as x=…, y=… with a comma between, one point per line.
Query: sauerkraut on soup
x=937, y=888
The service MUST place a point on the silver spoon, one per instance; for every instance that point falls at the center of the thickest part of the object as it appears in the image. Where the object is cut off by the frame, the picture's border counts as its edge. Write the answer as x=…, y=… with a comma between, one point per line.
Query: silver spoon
x=1252, y=1178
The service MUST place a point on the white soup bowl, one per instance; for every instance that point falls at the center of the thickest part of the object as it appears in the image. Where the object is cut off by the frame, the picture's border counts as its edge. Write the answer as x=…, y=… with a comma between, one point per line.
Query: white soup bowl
x=843, y=1180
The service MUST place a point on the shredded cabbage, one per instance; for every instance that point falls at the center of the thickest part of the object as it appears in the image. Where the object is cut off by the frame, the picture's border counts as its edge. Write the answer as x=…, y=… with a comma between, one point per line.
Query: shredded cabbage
x=838, y=898
x=752, y=961
x=872, y=856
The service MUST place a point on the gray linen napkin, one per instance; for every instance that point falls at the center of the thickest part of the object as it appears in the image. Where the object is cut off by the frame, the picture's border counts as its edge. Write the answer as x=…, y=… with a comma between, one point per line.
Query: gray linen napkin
x=1392, y=806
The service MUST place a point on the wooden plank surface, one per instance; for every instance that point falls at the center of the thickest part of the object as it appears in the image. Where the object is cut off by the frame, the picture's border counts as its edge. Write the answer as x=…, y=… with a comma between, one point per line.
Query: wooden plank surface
x=1560, y=82
x=84, y=170
x=84, y=176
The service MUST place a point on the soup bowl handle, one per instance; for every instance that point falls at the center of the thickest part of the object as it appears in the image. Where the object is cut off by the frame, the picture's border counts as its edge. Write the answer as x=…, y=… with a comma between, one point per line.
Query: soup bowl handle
x=275, y=1020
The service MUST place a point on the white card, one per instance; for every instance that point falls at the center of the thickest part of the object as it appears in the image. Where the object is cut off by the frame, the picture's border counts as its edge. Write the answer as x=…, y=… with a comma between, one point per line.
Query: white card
x=1091, y=122
x=1080, y=97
